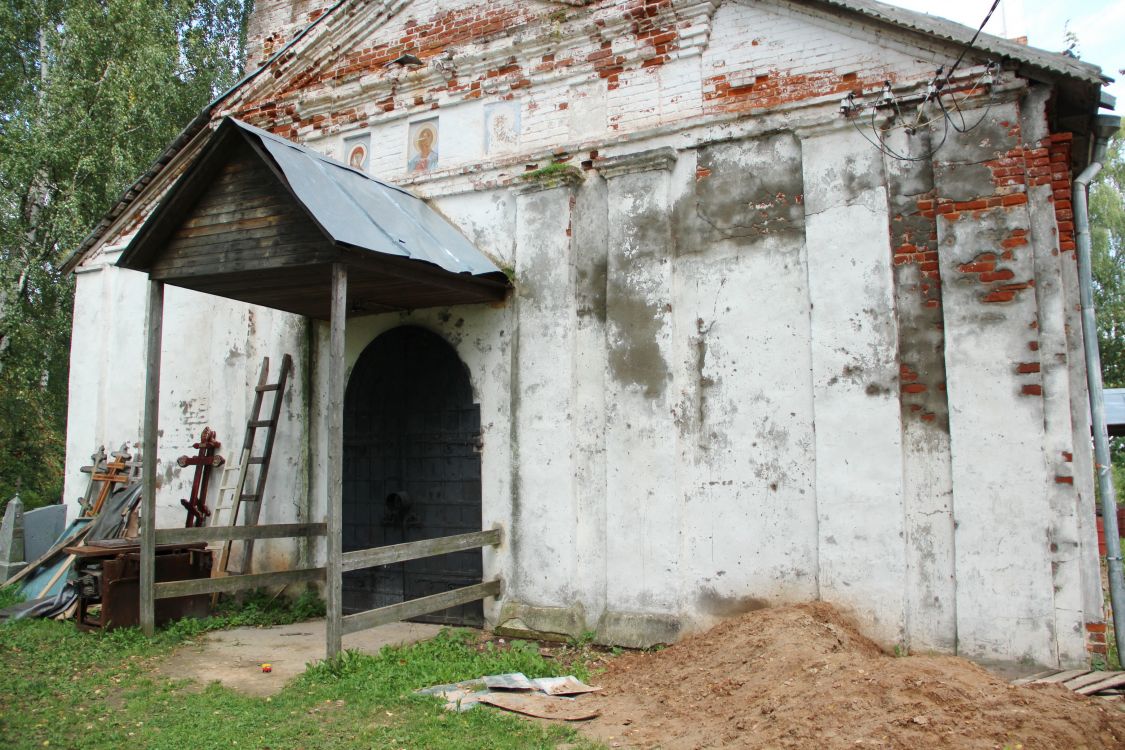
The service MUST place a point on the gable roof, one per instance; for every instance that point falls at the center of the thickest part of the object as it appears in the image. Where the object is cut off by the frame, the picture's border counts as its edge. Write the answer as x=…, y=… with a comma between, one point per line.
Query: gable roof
x=1052, y=63
x=259, y=219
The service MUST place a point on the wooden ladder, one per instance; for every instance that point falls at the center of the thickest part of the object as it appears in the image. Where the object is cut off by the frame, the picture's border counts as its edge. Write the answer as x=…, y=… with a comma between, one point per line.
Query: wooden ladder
x=239, y=496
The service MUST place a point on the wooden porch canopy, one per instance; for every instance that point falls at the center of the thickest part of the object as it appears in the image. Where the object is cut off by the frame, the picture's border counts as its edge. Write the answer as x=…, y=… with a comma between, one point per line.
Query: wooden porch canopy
x=262, y=220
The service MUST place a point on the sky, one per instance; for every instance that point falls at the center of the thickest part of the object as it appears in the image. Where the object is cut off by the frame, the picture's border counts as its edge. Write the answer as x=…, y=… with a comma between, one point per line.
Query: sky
x=1099, y=25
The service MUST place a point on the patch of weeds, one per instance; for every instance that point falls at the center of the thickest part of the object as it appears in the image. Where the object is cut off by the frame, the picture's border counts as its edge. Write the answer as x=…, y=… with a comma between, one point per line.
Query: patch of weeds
x=257, y=609
x=10, y=595
x=582, y=641
x=552, y=174
x=901, y=650
x=1113, y=655
x=452, y=656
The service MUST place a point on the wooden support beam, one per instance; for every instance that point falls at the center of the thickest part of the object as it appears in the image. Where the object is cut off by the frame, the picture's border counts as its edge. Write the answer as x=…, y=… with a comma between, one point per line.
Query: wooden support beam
x=155, y=325
x=417, y=607
x=395, y=553
x=334, y=584
x=194, y=586
x=228, y=533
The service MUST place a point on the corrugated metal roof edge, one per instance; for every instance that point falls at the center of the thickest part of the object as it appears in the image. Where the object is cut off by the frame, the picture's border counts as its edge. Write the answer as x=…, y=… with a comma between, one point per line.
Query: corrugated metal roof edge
x=942, y=28
x=327, y=163
x=314, y=154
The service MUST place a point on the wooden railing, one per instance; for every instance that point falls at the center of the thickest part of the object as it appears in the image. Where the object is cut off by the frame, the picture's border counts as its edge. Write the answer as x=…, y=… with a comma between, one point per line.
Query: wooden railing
x=396, y=553
x=357, y=560
x=196, y=586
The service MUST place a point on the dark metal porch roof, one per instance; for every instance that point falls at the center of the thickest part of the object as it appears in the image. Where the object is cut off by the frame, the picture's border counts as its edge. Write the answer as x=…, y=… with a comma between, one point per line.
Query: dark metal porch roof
x=260, y=219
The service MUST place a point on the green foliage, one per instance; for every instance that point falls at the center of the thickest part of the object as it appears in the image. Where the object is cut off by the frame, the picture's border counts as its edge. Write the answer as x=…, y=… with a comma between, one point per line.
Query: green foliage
x=91, y=92
x=98, y=690
x=10, y=595
x=258, y=609
x=584, y=640
x=1107, y=235
x=452, y=656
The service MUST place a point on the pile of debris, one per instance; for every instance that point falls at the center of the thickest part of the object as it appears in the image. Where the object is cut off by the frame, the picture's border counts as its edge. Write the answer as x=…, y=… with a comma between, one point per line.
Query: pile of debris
x=108, y=516
x=804, y=676
x=543, y=697
x=90, y=570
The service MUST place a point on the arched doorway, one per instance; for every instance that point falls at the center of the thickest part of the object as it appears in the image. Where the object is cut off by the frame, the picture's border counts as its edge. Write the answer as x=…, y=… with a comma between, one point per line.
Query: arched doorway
x=411, y=470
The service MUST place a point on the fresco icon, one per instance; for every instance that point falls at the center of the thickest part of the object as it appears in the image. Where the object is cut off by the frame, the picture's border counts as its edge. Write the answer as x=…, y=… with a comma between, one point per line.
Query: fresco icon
x=501, y=127
x=422, y=147
x=357, y=151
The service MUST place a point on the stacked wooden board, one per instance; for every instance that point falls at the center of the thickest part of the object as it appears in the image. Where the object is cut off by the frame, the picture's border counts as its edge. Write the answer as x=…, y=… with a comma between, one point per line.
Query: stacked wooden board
x=1102, y=684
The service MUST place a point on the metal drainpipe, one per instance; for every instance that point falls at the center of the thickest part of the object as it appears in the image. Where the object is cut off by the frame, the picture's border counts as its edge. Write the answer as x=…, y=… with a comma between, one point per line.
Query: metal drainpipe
x=1104, y=127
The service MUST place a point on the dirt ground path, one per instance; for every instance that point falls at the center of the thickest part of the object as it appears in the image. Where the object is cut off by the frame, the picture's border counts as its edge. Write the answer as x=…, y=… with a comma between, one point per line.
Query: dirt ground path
x=804, y=677
x=234, y=657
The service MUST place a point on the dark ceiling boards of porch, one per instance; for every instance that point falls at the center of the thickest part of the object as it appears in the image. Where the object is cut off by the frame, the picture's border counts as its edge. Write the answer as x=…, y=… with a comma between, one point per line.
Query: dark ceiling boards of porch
x=235, y=225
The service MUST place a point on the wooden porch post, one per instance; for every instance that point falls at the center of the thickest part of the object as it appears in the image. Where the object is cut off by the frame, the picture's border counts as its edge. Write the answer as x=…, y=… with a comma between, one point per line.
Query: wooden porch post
x=333, y=629
x=155, y=325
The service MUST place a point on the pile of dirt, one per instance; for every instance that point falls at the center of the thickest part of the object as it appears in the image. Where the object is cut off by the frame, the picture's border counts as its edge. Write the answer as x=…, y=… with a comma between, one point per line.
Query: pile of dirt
x=804, y=677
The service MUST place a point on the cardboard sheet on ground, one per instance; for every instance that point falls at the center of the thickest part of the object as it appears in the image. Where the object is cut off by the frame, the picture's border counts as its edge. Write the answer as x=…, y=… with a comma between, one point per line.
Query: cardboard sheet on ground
x=462, y=696
x=541, y=706
x=458, y=696
x=569, y=685
x=510, y=681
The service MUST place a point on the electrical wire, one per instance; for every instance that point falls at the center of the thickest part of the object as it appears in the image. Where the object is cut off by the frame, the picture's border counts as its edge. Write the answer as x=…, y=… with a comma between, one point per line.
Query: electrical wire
x=880, y=142
x=886, y=150
x=966, y=128
x=995, y=5
x=935, y=92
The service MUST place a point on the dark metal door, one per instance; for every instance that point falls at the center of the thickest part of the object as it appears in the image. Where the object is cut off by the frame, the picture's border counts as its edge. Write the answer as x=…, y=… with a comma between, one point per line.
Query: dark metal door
x=411, y=470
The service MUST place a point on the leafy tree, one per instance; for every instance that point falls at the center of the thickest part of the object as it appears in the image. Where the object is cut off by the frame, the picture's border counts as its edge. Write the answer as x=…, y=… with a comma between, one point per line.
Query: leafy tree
x=1107, y=234
x=91, y=91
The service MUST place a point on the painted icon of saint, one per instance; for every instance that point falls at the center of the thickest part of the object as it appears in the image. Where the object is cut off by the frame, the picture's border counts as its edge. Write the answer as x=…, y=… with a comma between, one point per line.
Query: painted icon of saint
x=358, y=157
x=423, y=151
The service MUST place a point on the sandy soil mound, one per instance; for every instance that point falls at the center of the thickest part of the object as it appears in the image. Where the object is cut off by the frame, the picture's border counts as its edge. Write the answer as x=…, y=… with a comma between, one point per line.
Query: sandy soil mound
x=804, y=677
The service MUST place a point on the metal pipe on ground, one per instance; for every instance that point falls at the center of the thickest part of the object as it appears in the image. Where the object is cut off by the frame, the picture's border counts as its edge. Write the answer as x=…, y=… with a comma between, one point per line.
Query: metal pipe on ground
x=1104, y=127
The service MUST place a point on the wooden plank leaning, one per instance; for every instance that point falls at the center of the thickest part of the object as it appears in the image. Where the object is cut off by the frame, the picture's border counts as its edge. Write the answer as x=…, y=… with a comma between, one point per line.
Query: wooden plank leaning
x=417, y=607
x=1114, y=680
x=226, y=533
x=1087, y=679
x=396, y=553
x=236, y=583
x=56, y=548
x=1064, y=676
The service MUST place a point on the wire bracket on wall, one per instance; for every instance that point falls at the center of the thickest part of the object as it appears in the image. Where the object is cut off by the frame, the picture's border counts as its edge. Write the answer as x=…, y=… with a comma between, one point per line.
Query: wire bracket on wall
x=941, y=102
x=936, y=89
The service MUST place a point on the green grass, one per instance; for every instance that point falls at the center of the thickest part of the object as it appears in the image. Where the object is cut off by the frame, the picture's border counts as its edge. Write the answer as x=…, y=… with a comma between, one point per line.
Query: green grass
x=63, y=688
x=10, y=595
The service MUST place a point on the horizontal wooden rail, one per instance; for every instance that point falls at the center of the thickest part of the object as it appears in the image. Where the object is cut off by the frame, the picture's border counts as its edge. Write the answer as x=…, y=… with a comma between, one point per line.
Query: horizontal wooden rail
x=228, y=533
x=396, y=553
x=418, y=607
x=195, y=586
